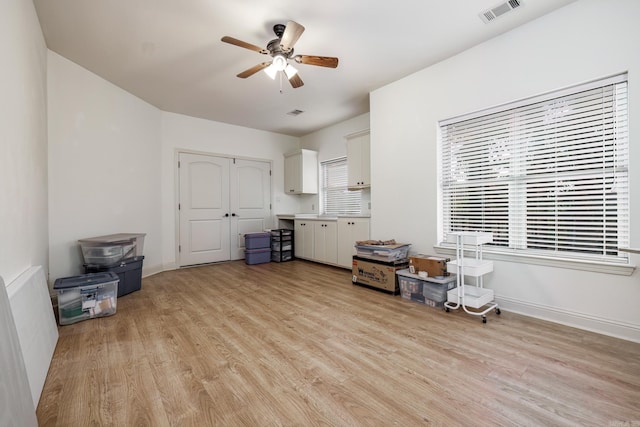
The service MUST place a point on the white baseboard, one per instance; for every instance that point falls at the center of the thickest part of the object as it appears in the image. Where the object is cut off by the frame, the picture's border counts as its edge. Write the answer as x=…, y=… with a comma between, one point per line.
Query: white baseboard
x=154, y=269
x=614, y=328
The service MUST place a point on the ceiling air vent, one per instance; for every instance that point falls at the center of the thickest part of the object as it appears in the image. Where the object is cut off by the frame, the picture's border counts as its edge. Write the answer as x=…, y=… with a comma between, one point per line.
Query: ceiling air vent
x=295, y=112
x=499, y=10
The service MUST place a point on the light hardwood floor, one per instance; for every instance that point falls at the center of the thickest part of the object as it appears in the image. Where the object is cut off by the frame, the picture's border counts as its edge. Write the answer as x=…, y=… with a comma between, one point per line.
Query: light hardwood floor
x=296, y=344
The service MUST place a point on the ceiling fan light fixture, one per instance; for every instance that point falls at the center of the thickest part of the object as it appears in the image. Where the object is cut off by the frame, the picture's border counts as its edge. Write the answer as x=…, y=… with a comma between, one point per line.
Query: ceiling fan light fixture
x=271, y=71
x=279, y=62
x=290, y=71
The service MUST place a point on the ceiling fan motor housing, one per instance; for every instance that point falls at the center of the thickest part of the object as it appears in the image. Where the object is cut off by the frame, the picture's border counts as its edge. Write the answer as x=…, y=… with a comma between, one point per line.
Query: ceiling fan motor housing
x=274, y=49
x=279, y=30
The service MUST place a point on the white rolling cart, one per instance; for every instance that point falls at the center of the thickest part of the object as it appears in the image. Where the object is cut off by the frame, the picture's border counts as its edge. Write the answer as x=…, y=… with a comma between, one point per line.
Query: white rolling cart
x=474, y=296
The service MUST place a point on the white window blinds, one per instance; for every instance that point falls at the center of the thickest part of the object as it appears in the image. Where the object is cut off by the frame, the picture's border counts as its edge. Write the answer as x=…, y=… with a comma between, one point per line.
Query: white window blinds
x=335, y=197
x=548, y=175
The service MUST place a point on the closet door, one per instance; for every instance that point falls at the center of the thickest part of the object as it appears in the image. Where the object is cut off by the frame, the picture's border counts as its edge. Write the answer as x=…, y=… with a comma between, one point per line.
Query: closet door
x=203, y=209
x=250, y=201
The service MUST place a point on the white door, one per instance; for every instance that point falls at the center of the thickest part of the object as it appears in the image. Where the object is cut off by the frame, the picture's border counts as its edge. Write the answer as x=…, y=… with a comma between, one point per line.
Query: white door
x=220, y=200
x=203, y=209
x=250, y=201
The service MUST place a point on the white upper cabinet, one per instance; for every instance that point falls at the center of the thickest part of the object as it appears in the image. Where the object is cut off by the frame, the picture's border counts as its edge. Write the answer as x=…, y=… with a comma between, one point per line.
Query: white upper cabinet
x=301, y=172
x=359, y=160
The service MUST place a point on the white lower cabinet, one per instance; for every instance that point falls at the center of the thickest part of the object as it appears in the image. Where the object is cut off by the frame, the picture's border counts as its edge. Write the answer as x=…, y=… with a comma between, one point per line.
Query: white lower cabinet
x=329, y=241
x=350, y=230
x=325, y=241
x=303, y=239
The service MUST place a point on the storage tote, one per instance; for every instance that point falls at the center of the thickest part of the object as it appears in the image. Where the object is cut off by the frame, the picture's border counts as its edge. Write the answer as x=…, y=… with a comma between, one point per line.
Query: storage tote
x=86, y=296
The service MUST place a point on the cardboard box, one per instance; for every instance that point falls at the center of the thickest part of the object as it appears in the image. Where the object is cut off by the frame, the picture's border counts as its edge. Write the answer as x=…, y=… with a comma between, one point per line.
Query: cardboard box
x=433, y=265
x=379, y=274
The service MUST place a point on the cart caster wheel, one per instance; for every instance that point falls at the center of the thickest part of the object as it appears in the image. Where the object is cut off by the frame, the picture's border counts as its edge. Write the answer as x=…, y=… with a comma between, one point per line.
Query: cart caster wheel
x=484, y=319
x=498, y=311
x=446, y=309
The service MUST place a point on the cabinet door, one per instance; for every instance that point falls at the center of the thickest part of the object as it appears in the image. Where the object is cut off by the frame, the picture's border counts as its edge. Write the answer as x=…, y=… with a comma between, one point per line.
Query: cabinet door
x=292, y=178
x=365, y=161
x=301, y=172
x=350, y=230
x=358, y=160
x=325, y=235
x=303, y=239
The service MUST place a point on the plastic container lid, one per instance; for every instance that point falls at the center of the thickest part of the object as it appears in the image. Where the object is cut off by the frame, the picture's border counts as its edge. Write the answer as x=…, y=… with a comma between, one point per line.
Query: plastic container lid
x=89, y=279
x=257, y=235
x=113, y=238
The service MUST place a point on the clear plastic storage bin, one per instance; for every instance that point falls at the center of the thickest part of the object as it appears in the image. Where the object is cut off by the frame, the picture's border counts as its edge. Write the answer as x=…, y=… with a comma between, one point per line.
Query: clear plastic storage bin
x=86, y=296
x=112, y=248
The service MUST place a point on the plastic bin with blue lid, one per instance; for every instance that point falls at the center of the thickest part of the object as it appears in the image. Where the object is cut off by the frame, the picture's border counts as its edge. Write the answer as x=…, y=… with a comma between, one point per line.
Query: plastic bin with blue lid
x=260, y=240
x=86, y=296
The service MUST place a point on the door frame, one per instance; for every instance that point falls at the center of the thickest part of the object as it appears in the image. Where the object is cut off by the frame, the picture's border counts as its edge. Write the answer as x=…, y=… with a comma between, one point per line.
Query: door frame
x=176, y=191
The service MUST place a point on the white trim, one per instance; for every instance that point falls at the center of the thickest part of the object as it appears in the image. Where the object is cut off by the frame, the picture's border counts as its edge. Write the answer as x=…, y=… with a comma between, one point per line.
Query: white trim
x=573, y=264
x=150, y=271
x=358, y=133
x=613, y=328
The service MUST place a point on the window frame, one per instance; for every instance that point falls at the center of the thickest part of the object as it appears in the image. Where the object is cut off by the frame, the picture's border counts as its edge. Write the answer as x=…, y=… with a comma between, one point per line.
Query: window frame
x=617, y=265
x=350, y=203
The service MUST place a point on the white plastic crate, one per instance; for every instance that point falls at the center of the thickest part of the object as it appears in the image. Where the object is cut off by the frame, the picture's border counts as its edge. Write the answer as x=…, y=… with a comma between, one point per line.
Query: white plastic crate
x=471, y=267
x=474, y=296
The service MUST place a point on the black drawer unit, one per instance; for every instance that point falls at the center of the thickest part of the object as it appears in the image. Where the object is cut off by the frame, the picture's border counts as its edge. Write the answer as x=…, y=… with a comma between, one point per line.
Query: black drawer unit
x=282, y=245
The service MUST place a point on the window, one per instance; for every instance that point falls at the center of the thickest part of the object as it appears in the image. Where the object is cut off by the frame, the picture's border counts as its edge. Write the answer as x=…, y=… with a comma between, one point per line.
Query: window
x=546, y=176
x=335, y=197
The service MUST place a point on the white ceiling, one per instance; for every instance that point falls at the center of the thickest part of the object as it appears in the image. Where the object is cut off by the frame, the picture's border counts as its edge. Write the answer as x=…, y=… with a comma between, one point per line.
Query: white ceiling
x=169, y=53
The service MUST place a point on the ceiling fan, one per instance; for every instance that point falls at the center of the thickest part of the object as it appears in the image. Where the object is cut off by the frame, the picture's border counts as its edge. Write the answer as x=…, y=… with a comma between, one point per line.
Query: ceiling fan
x=281, y=50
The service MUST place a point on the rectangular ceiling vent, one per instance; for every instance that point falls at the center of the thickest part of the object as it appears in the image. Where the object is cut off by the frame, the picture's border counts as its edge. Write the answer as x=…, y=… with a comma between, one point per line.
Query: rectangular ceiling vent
x=499, y=10
x=295, y=112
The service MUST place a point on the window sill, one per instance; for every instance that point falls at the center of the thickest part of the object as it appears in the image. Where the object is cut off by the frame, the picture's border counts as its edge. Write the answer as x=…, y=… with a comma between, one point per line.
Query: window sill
x=594, y=266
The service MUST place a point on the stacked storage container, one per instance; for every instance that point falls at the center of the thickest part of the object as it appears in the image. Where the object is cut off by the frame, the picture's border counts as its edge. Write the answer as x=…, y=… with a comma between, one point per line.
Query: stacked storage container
x=257, y=248
x=428, y=290
x=118, y=253
x=282, y=245
x=87, y=296
x=376, y=265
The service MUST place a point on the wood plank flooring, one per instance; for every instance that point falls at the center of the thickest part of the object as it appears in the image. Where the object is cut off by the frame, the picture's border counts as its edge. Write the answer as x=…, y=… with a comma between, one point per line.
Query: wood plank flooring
x=296, y=344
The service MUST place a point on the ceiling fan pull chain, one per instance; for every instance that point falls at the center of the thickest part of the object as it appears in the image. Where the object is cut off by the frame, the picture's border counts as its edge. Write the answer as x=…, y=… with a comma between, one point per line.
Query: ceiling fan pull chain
x=280, y=74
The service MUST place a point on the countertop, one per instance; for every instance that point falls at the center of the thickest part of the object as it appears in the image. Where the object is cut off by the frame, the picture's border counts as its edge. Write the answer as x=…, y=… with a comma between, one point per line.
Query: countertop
x=317, y=217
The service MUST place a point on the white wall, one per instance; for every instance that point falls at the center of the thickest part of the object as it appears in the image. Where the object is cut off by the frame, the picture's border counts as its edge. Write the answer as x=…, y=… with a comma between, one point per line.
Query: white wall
x=583, y=41
x=23, y=140
x=197, y=135
x=104, y=166
x=112, y=165
x=23, y=186
x=330, y=143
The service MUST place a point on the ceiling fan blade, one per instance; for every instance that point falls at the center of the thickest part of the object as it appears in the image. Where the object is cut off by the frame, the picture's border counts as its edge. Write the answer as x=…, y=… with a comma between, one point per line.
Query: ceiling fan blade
x=322, y=61
x=291, y=34
x=245, y=45
x=251, y=71
x=296, y=81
